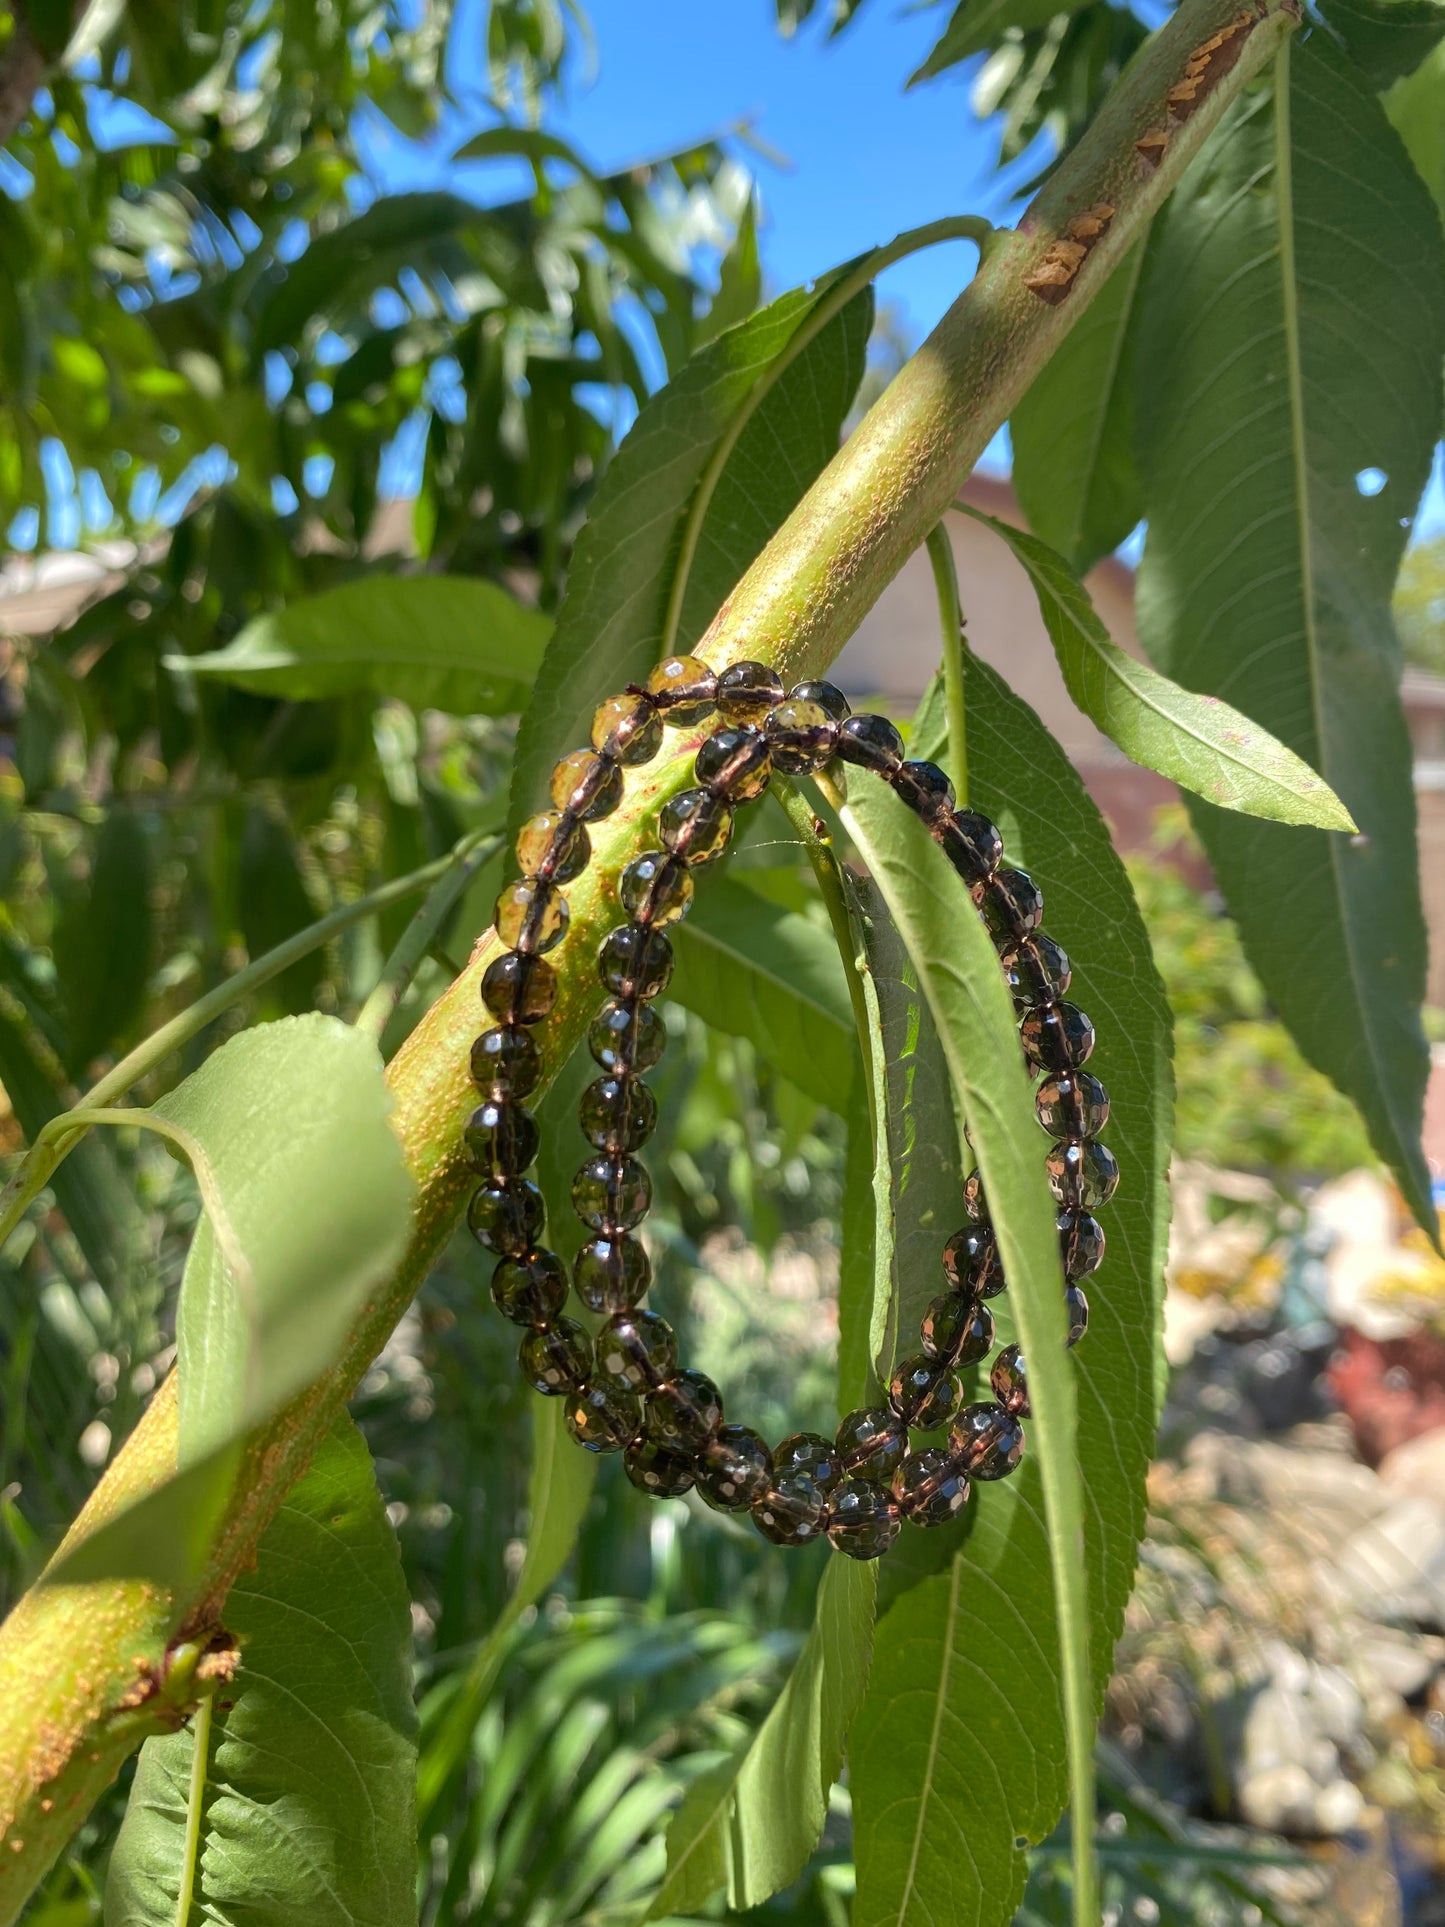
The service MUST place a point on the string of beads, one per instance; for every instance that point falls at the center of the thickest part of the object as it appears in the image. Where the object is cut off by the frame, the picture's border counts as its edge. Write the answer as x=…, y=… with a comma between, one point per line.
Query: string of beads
x=624, y=1388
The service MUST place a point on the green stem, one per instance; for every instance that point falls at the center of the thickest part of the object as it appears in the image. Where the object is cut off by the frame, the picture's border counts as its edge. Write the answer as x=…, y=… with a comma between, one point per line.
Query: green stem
x=397, y=972
x=195, y=1800
x=950, y=616
x=957, y=227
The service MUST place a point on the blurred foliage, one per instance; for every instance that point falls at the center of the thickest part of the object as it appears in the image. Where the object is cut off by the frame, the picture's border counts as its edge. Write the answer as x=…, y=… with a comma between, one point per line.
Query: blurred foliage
x=1420, y=605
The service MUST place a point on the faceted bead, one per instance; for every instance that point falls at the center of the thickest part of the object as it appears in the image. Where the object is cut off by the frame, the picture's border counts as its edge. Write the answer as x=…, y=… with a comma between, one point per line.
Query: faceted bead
x=1013, y=908
x=685, y=1412
x=1076, y=1310
x=655, y=1470
x=602, y=1417
x=811, y=1453
x=988, y=1440
x=1074, y=1104
x=695, y=825
x=872, y=743
x=617, y=1113
x=627, y=729
x=517, y=989
x=627, y=1037
x=1057, y=1037
x=975, y=1203
x=634, y=961
x=558, y=1359
x=683, y=688
x=587, y=785
x=924, y=1393
x=734, y=764
x=636, y=1350
x=553, y=846
x=802, y=736
x=1039, y=973
x=792, y=1512
x=1081, y=1244
x=828, y=696
x=611, y=1274
x=925, y=789
x=655, y=888
x=531, y=916
x=930, y=1488
x=501, y=1138
x=1010, y=1381
x=735, y=1468
x=872, y=1437
x=746, y=691
x=971, y=1261
x=530, y=1290
x=958, y=1329
x=506, y=1062
x=611, y=1194
x=507, y=1218
x=972, y=845
x=862, y=1519
x=1082, y=1173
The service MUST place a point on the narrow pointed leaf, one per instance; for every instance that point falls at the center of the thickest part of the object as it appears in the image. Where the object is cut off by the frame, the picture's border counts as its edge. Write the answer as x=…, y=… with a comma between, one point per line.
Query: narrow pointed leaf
x=977, y=24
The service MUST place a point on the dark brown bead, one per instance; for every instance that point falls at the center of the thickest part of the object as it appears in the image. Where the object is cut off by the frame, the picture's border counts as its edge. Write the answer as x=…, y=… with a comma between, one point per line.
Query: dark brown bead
x=685, y=1413
x=506, y=1062
x=507, y=1218
x=746, y=691
x=734, y=1468
x=931, y=1487
x=972, y=845
x=587, y=785
x=683, y=688
x=1039, y=973
x=519, y=990
x=531, y=916
x=611, y=1274
x=828, y=696
x=1081, y=1244
x=695, y=825
x=556, y=1360
x=975, y=1204
x=627, y=1037
x=602, y=1417
x=958, y=1329
x=735, y=764
x=811, y=1453
x=553, y=846
x=792, y=1512
x=1082, y=1174
x=1073, y=1104
x=1076, y=1309
x=1057, y=1037
x=971, y=1261
x=870, y=742
x=987, y=1441
x=635, y=961
x=636, y=1350
x=611, y=1194
x=655, y=888
x=1012, y=905
x=1010, y=1381
x=802, y=737
x=530, y=1290
x=873, y=1439
x=627, y=729
x=617, y=1113
x=924, y=1393
x=654, y=1469
x=863, y=1519
x=926, y=790
x=501, y=1138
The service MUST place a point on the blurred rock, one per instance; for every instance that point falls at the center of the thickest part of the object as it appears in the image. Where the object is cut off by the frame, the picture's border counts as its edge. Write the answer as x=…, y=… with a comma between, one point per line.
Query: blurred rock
x=1296, y=1724
x=1393, y=1660
x=1362, y=1214
x=1393, y=1569
x=1312, y=1483
x=1416, y=1468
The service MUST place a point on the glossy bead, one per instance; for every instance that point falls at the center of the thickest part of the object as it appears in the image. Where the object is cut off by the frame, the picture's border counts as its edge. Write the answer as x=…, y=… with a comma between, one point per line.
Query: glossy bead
x=611, y=1194
x=1082, y=1173
x=655, y=888
x=972, y=844
x=557, y=1360
x=683, y=688
x=734, y=764
x=685, y=1412
x=695, y=825
x=987, y=1440
x=925, y=789
x=530, y=1290
x=802, y=736
x=617, y=1113
x=501, y=1138
x=553, y=846
x=930, y=1487
x=1040, y=972
x=636, y=1350
x=872, y=1437
x=924, y=1393
x=519, y=990
x=657, y=1471
x=602, y=1417
x=635, y=961
x=1009, y=1380
x=811, y=1453
x=1081, y=1244
x=507, y=1218
x=792, y=1512
x=1013, y=908
x=1057, y=1037
x=587, y=785
x=735, y=1468
x=746, y=691
x=531, y=916
x=863, y=1519
x=627, y=1037
x=627, y=729
x=957, y=1329
x=975, y=1204
x=828, y=696
x=1074, y=1104
x=871, y=742
x=611, y=1274
x=971, y=1261
x=506, y=1062
x=1076, y=1310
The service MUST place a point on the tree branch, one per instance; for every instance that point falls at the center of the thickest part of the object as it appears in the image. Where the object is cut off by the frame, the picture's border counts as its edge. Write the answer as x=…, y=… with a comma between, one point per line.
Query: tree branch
x=24, y=65
x=83, y=1668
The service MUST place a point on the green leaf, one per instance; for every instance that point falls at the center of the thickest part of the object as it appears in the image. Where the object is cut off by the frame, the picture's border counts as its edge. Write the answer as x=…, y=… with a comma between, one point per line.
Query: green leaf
x=1073, y=433
x=740, y=280
x=103, y=940
x=435, y=641
x=749, y=1826
x=1200, y=742
x=773, y=976
x=965, y=1679
x=1387, y=39
x=977, y=24
x=308, y=1808
x=1416, y=107
x=1290, y=365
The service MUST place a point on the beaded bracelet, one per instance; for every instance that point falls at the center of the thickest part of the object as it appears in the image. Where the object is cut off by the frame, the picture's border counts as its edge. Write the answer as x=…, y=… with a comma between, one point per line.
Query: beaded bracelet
x=624, y=1388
